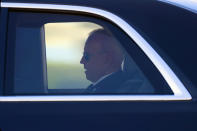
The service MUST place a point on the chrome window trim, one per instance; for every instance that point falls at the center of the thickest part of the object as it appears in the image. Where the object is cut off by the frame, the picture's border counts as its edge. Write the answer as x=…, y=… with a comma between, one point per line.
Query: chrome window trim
x=91, y=98
x=190, y=5
x=180, y=92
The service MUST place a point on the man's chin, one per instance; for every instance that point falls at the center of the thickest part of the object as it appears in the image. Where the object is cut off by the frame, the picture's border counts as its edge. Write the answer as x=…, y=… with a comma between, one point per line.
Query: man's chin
x=88, y=77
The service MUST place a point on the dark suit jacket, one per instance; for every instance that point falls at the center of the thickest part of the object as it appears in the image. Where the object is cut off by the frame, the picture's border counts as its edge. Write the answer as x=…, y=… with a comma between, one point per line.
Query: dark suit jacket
x=110, y=84
x=119, y=82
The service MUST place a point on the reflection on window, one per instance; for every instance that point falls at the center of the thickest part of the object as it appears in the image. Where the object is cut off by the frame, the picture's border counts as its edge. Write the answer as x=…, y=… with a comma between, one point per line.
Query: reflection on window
x=64, y=49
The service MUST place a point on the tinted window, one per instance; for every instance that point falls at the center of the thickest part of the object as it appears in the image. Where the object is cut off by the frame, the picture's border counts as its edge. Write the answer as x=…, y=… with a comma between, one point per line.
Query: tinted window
x=75, y=54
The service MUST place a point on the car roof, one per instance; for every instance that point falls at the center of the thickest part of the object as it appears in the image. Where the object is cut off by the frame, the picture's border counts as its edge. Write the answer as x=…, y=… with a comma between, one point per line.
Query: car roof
x=133, y=11
x=123, y=8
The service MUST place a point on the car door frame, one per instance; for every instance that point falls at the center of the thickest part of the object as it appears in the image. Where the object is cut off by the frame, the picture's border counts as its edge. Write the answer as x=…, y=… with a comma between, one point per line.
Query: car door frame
x=92, y=112
x=180, y=92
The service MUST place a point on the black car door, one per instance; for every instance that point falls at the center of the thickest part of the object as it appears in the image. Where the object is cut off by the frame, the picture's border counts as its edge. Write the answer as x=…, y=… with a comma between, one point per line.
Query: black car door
x=32, y=98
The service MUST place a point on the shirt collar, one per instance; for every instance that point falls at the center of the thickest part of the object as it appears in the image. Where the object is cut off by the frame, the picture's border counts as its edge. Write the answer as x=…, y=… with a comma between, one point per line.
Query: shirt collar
x=99, y=80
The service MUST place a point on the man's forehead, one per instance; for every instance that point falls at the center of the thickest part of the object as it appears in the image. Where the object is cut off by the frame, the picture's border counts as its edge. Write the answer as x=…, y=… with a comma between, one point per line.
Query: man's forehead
x=93, y=44
x=98, y=36
x=97, y=39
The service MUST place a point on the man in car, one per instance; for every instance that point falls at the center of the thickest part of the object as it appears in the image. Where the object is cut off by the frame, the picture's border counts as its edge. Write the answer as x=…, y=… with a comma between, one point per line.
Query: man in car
x=102, y=61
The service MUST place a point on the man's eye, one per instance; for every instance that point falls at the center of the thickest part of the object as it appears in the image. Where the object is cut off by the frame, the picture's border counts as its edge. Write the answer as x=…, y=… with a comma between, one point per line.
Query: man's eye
x=86, y=57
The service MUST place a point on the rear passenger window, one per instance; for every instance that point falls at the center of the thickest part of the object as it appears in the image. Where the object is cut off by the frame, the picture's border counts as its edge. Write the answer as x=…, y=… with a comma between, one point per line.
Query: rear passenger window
x=55, y=54
x=64, y=50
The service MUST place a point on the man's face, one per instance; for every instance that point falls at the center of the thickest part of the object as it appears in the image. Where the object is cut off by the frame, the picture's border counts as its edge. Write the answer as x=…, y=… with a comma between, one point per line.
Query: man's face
x=95, y=61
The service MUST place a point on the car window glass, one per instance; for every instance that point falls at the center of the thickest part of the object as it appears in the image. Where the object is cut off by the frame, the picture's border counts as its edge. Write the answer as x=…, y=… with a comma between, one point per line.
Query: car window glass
x=76, y=54
x=64, y=49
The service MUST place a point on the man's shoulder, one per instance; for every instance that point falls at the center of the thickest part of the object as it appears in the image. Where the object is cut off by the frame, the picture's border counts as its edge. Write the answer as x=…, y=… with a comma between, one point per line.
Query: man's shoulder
x=119, y=82
x=111, y=83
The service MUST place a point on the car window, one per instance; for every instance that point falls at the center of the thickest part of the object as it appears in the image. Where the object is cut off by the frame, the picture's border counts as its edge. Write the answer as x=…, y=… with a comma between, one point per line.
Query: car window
x=64, y=50
x=51, y=54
